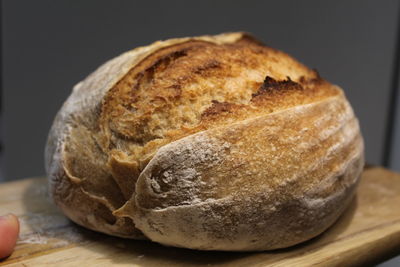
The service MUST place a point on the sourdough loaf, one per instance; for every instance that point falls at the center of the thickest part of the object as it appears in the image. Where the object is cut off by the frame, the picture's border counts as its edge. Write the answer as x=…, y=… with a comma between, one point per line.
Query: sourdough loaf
x=211, y=143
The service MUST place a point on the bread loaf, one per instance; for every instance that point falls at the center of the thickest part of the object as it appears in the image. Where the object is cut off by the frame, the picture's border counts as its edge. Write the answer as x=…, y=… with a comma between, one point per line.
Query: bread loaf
x=210, y=143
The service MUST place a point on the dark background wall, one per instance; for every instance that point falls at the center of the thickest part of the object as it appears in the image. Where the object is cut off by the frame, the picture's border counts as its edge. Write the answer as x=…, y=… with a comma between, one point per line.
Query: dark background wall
x=48, y=46
x=395, y=144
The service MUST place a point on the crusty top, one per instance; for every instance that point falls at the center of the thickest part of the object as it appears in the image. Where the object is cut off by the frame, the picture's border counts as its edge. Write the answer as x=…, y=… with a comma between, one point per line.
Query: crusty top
x=197, y=84
x=118, y=118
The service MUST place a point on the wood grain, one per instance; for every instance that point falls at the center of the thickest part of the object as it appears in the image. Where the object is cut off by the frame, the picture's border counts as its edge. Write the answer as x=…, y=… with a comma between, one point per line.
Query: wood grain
x=368, y=232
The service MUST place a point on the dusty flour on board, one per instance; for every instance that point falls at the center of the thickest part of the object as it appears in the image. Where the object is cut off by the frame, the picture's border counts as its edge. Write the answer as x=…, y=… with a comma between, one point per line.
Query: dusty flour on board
x=45, y=227
x=43, y=223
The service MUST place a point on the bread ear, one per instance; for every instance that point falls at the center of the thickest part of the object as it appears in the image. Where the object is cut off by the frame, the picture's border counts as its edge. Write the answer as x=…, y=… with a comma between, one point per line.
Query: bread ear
x=264, y=183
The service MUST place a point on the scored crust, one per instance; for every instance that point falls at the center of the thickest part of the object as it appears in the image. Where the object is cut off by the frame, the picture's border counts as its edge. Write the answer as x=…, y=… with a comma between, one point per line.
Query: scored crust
x=263, y=183
x=213, y=142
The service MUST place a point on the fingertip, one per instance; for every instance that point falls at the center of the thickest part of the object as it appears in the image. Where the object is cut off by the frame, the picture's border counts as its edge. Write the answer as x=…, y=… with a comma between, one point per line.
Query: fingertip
x=12, y=220
x=9, y=230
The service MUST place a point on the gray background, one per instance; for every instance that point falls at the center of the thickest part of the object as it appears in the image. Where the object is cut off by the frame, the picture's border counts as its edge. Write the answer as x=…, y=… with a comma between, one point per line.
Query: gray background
x=48, y=46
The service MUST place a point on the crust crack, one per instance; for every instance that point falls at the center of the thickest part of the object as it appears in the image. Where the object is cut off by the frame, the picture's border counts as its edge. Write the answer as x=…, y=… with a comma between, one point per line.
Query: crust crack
x=271, y=86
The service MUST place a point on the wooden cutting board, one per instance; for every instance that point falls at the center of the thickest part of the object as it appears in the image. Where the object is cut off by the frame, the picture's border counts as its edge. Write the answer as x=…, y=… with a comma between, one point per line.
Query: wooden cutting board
x=368, y=232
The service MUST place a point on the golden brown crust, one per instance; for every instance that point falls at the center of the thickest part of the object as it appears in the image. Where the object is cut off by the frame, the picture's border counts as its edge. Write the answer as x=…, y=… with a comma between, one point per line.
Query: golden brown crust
x=264, y=183
x=78, y=153
x=110, y=150
x=176, y=84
